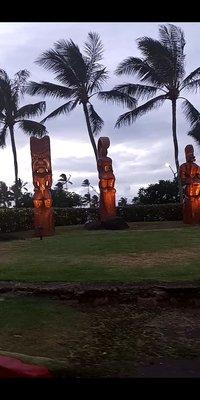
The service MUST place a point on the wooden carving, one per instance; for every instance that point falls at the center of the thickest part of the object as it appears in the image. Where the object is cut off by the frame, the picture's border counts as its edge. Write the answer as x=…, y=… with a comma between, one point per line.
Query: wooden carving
x=42, y=181
x=189, y=174
x=106, y=181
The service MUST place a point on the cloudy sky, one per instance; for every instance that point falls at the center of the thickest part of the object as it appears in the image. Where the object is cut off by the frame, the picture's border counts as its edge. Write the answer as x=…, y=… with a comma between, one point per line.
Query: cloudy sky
x=140, y=151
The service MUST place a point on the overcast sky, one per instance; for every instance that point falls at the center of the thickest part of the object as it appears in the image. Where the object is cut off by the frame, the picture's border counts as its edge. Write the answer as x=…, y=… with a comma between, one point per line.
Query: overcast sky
x=140, y=151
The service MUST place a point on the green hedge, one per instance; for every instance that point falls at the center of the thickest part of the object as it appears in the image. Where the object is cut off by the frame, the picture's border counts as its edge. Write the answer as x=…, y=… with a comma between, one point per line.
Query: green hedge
x=21, y=219
x=13, y=220
x=151, y=212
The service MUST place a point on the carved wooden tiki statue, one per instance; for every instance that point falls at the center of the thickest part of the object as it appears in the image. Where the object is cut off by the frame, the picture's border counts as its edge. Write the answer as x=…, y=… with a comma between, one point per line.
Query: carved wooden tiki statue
x=42, y=181
x=189, y=174
x=106, y=181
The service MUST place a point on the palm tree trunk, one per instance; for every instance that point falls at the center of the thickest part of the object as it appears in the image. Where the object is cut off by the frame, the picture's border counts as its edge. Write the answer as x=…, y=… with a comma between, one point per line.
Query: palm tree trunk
x=90, y=130
x=14, y=152
x=89, y=196
x=176, y=146
x=14, y=157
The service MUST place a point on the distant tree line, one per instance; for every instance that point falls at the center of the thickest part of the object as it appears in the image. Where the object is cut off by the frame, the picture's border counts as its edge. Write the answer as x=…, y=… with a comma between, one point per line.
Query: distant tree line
x=163, y=192
x=60, y=195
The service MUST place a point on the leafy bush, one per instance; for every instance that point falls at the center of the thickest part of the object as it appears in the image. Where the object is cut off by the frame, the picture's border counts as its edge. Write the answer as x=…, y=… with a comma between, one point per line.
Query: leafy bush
x=151, y=212
x=21, y=219
x=16, y=219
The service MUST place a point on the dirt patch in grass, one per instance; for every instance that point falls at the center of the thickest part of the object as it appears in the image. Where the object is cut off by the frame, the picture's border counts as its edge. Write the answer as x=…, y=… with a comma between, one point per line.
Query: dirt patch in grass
x=147, y=259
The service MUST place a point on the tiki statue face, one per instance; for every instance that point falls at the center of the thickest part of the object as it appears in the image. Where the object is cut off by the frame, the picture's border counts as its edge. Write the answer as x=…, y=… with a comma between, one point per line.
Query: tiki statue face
x=48, y=203
x=37, y=203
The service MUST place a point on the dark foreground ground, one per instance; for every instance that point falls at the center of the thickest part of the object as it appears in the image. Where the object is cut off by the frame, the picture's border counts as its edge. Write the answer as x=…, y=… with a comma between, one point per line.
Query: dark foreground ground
x=75, y=339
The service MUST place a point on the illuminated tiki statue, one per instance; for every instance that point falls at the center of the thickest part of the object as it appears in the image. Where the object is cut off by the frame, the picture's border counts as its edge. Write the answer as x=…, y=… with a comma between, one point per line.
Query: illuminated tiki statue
x=42, y=181
x=189, y=173
x=106, y=181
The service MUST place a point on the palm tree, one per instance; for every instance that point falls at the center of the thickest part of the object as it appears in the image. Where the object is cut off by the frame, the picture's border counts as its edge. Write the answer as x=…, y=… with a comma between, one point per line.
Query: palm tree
x=11, y=92
x=162, y=69
x=64, y=181
x=80, y=76
x=86, y=183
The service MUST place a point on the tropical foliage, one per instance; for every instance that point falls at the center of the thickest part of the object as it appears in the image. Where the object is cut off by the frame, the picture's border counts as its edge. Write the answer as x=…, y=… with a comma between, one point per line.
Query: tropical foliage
x=80, y=77
x=12, y=114
x=161, y=70
x=163, y=192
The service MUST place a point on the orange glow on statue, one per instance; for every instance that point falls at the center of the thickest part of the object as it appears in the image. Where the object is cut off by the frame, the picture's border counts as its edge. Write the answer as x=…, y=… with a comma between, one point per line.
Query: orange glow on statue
x=106, y=181
x=42, y=181
x=189, y=173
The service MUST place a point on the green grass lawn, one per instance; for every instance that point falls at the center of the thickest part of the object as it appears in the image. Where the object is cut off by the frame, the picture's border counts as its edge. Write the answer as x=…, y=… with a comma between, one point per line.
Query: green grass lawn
x=144, y=252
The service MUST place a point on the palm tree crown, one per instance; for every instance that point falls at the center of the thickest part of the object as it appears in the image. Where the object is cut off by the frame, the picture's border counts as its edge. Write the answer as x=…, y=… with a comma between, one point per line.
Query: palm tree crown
x=161, y=70
x=11, y=91
x=80, y=76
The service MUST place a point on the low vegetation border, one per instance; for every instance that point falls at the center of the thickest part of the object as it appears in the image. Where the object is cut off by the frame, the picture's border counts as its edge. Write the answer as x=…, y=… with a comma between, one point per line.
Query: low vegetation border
x=147, y=295
x=21, y=219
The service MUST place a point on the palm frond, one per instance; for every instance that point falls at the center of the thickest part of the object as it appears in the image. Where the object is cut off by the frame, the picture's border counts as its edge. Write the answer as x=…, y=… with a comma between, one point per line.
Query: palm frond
x=64, y=109
x=118, y=97
x=191, y=113
x=63, y=178
x=70, y=52
x=19, y=81
x=85, y=183
x=95, y=120
x=130, y=116
x=33, y=128
x=54, y=61
x=159, y=58
x=31, y=110
x=138, y=66
x=4, y=76
x=96, y=79
x=193, y=85
x=192, y=76
x=94, y=47
x=2, y=116
x=3, y=134
x=49, y=89
x=195, y=132
x=137, y=90
x=172, y=37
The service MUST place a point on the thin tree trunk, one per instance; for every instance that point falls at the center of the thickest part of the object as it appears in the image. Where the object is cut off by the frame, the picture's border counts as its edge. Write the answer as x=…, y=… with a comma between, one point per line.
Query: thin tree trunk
x=14, y=152
x=89, y=197
x=90, y=130
x=14, y=157
x=176, y=146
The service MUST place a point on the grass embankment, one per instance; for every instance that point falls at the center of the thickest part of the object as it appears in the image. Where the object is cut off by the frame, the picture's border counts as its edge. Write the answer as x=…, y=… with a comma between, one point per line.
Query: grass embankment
x=77, y=255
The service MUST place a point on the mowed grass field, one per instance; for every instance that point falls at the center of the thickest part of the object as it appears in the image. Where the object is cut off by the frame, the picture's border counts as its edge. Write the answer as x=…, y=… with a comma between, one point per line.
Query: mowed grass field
x=147, y=251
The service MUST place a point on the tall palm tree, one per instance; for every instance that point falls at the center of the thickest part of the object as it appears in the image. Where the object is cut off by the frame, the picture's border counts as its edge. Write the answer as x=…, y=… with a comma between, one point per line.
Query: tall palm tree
x=80, y=76
x=11, y=92
x=162, y=69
